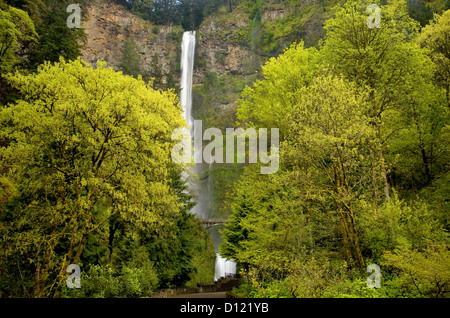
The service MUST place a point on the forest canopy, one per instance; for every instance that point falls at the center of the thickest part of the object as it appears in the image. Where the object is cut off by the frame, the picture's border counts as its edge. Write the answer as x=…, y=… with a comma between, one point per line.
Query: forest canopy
x=86, y=175
x=364, y=122
x=88, y=151
x=187, y=13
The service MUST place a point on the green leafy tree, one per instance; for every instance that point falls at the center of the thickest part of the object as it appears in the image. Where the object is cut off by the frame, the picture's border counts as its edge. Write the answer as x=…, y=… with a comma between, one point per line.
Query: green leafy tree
x=268, y=102
x=187, y=13
x=436, y=38
x=56, y=39
x=267, y=228
x=423, y=273
x=86, y=145
x=329, y=131
x=156, y=73
x=385, y=60
x=397, y=223
x=17, y=31
x=130, y=60
x=140, y=7
x=326, y=131
x=419, y=11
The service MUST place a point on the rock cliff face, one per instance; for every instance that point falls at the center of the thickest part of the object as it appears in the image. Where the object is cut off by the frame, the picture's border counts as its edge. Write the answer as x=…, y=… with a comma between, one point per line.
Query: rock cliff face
x=230, y=48
x=218, y=47
x=108, y=25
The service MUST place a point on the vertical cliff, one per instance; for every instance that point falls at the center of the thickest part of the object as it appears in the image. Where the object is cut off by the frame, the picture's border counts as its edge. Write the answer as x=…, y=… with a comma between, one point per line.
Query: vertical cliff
x=109, y=25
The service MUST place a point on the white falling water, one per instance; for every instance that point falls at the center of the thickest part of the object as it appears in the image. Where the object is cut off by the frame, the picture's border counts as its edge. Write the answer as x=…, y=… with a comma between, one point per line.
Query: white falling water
x=187, y=68
x=224, y=267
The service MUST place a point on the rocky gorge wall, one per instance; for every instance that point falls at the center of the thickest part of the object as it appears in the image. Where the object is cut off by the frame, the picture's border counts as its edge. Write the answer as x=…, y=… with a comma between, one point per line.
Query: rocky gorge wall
x=108, y=25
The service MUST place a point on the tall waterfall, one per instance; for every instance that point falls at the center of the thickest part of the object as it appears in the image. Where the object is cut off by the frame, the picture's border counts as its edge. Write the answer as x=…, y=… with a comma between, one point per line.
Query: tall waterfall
x=187, y=69
x=202, y=189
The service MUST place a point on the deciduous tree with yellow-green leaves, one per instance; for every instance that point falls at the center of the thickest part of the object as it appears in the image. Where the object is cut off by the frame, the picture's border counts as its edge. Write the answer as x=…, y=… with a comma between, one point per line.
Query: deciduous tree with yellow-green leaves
x=84, y=145
x=363, y=161
x=436, y=38
x=17, y=30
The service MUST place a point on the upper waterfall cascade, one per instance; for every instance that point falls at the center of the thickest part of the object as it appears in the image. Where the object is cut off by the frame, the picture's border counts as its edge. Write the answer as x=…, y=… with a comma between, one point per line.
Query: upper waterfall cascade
x=187, y=69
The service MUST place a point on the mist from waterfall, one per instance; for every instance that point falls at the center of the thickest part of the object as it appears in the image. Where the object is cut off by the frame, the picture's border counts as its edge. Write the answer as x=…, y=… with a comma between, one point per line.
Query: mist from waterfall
x=202, y=187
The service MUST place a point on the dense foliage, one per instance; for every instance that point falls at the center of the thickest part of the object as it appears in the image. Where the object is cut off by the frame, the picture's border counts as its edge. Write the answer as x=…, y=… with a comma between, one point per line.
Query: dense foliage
x=90, y=163
x=86, y=173
x=364, y=125
x=364, y=116
x=187, y=13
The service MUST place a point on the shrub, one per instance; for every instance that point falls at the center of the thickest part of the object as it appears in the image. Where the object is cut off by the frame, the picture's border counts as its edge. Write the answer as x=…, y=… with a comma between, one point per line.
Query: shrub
x=315, y=277
x=103, y=282
x=396, y=223
x=176, y=33
x=422, y=273
x=138, y=282
x=97, y=282
x=356, y=288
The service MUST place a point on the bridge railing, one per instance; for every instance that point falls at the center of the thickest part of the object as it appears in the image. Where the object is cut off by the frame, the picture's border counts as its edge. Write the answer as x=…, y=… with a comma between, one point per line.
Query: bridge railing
x=212, y=222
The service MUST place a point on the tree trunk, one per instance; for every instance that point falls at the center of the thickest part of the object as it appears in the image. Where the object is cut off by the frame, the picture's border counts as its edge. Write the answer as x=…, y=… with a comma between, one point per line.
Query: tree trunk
x=376, y=192
x=42, y=275
x=80, y=248
x=348, y=225
x=344, y=232
x=384, y=176
x=37, y=282
x=353, y=235
x=379, y=145
x=310, y=232
x=112, y=230
x=425, y=162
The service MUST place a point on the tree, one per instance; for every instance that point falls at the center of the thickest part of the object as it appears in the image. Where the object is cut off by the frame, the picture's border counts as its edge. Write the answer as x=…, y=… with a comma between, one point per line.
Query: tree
x=324, y=147
x=156, y=72
x=141, y=7
x=130, y=60
x=165, y=12
x=386, y=61
x=396, y=223
x=86, y=145
x=17, y=37
x=423, y=273
x=187, y=13
x=436, y=38
x=358, y=115
x=17, y=31
x=267, y=103
x=325, y=124
x=419, y=11
x=56, y=39
x=266, y=232
x=328, y=136
x=7, y=191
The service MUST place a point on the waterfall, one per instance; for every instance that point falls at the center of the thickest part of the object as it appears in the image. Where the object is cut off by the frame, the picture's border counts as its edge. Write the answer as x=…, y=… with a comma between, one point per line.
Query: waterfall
x=187, y=69
x=201, y=188
x=224, y=267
